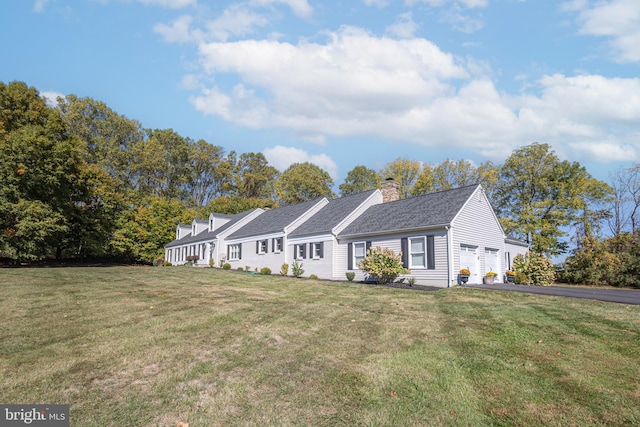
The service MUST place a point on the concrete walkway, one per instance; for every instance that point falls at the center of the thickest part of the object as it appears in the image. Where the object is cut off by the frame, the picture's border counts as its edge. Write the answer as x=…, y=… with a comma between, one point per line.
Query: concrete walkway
x=622, y=296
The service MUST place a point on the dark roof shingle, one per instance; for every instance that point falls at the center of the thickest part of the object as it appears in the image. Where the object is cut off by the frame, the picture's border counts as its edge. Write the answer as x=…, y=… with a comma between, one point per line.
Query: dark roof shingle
x=210, y=235
x=331, y=215
x=411, y=213
x=274, y=220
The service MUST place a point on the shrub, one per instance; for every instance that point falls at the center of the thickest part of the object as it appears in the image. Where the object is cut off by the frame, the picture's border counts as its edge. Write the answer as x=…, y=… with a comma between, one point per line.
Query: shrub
x=247, y=268
x=534, y=269
x=383, y=264
x=313, y=276
x=412, y=281
x=240, y=268
x=158, y=262
x=226, y=266
x=167, y=264
x=265, y=271
x=284, y=269
x=296, y=269
x=212, y=263
x=350, y=275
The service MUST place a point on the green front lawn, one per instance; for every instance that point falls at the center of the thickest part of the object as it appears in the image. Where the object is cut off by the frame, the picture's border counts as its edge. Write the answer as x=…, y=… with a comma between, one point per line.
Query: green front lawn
x=143, y=346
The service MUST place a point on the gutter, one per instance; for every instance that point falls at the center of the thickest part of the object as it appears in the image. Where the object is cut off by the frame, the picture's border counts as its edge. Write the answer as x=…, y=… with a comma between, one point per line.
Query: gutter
x=398, y=231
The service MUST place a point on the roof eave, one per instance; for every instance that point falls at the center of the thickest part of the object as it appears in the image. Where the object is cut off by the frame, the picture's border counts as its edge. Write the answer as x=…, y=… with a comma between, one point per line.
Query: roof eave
x=398, y=231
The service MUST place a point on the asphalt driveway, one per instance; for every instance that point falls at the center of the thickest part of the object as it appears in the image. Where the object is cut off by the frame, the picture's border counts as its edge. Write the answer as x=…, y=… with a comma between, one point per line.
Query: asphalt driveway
x=622, y=296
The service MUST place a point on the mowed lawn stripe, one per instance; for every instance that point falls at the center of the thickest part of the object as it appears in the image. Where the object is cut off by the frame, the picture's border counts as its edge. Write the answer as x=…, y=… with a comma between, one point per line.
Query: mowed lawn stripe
x=155, y=346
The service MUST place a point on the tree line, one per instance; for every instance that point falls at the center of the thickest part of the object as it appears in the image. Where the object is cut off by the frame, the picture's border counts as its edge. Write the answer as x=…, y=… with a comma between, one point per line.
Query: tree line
x=79, y=180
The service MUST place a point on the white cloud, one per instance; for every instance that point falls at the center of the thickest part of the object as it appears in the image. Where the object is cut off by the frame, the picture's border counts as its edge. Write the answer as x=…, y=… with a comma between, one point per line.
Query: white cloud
x=50, y=97
x=404, y=27
x=179, y=31
x=300, y=7
x=377, y=3
x=236, y=20
x=456, y=3
x=618, y=20
x=461, y=22
x=38, y=6
x=171, y=4
x=281, y=158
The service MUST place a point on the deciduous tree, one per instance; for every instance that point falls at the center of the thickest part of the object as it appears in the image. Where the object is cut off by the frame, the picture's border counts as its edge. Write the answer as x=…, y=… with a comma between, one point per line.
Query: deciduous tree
x=302, y=182
x=358, y=180
x=405, y=172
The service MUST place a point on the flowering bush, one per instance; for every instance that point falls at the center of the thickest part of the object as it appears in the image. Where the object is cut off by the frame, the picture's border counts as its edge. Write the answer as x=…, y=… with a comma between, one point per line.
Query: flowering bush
x=383, y=264
x=192, y=257
x=465, y=272
x=534, y=269
x=491, y=274
x=510, y=273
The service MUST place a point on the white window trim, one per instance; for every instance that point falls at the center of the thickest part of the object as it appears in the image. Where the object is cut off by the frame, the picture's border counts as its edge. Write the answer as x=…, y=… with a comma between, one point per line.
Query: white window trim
x=234, y=252
x=296, y=251
x=424, y=253
x=261, y=250
x=355, y=258
x=313, y=250
x=279, y=242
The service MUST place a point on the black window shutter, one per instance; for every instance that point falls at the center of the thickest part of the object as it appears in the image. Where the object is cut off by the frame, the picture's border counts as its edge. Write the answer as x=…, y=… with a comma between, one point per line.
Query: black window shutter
x=431, y=255
x=228, y=251
x=240, y=251
x=367, y=247
x=304, y=251
x=273, y=244
x=257, y=246
x=404, y=247
x=321, y=249
x=350, y=257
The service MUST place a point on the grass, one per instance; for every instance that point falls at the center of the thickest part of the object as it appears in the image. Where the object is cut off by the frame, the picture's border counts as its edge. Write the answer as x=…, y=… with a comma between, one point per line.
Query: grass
x=142, y=346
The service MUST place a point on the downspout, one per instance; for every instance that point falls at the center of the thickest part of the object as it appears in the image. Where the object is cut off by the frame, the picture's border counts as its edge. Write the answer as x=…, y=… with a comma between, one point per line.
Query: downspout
x=450, y=273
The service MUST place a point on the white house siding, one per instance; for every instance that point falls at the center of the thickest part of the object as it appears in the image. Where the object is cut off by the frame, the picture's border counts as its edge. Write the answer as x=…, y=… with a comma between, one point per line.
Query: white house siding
x=252, y=259
x=321, y=267
x=476, y=225
x=513, y=249
x=424, y=276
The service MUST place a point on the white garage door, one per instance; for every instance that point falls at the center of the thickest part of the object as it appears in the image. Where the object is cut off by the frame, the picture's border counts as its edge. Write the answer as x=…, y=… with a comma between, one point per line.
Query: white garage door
x=469, y=259
x=492, y=262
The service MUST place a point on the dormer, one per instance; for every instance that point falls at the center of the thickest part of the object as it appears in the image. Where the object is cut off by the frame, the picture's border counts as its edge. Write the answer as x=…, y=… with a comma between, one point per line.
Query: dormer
x=198, y=226
x=182, y=230
x=217, y=220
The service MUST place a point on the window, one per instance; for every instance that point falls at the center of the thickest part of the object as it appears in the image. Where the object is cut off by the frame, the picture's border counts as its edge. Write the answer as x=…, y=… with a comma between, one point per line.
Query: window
x=277, y=245
x=317, y=250
x=261, y=246
x=234, y=252
x=359, y=252
x=417, y=252
x=299, y=251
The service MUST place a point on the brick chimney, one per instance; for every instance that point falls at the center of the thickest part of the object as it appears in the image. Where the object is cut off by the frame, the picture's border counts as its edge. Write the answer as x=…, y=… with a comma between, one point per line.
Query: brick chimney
x=390, y=190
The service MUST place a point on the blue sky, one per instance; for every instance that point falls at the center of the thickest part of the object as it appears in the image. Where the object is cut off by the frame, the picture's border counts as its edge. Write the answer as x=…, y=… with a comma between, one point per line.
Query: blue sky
x=342, y=83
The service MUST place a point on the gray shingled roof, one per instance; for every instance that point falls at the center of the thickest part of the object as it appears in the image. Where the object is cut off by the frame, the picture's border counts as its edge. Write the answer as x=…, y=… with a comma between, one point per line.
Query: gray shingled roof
x=411, y=213
x=331, y=215
x=210, y=235
x=274, y=220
